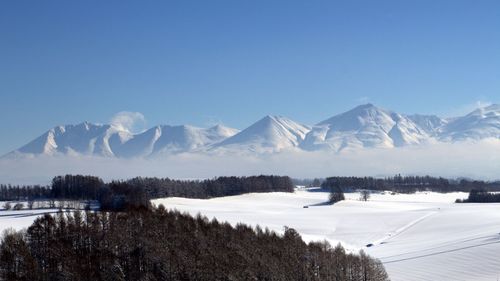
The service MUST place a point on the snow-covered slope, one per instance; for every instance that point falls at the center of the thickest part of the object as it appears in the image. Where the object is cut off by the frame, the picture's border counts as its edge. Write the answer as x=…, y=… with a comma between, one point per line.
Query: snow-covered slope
x=269, y=134
x=364, y=126
x=479, y=124
x=188, y=138
x=109, y=141
x=431, y=124
x=84, y=138
x=418, y=237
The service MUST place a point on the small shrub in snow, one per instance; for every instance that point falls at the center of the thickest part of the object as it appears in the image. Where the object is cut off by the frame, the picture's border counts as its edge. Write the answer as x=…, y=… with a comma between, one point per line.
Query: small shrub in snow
x=7, y=206
x=18, y=206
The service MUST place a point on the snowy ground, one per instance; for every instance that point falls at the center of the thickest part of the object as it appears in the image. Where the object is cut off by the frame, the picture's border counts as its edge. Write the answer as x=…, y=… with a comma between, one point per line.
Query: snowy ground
x=21, y=219
x=24, y=218
x=423, y=236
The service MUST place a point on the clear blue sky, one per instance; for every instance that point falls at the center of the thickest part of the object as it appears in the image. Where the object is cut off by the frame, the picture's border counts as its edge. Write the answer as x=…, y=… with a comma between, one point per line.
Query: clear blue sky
x=199, y=62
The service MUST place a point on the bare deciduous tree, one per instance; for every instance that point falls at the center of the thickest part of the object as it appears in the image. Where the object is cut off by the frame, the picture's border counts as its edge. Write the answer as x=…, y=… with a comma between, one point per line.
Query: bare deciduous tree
x=364, y=195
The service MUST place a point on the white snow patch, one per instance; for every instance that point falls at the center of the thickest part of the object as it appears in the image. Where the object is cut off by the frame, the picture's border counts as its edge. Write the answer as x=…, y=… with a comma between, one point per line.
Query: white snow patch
x=18, y=220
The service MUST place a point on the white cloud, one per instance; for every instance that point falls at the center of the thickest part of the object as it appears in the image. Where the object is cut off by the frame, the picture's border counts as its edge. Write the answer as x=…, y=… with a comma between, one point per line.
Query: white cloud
x=130, y=121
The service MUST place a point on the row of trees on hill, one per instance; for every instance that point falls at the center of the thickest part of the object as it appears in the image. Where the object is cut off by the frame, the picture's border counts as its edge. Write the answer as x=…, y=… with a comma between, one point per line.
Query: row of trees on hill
x=407, y=184
x=113, y=196
x=157, y=244
x=119, y=195
x=77, y=187
x=481, y=196
x=221, y=186
x=24, y=192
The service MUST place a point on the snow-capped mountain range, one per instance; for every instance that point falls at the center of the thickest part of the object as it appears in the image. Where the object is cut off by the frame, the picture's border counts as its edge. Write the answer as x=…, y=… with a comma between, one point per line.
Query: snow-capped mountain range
x=366, y=126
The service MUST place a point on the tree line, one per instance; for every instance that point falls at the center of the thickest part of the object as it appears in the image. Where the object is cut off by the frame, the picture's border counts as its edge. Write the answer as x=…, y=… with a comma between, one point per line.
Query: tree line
x=157, y=244
x=120, y=195
x=407, y=184
x=24, y=192
x=481, y=196
x=136, y=192
x=209, y=188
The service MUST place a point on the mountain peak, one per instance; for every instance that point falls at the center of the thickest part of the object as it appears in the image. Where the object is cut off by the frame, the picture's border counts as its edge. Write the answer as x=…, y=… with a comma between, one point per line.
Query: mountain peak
x=365, y=106
x=357, y=116
x=481, y=123
x=271, y=133
x=274, y=118
x=85, y=124
x=364, y=126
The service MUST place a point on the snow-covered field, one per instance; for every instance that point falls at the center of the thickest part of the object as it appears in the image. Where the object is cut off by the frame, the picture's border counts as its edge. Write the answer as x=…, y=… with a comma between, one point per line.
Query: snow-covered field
x=21, y=219
x=423, y=236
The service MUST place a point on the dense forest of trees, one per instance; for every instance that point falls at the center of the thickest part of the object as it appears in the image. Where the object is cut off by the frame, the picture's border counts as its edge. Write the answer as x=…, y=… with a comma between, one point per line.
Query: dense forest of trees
x=481, y=196
x=77, y=187
x=157, y=244
x=120, y=195
x=407, y=184
x=221, y=186
x=25, y=192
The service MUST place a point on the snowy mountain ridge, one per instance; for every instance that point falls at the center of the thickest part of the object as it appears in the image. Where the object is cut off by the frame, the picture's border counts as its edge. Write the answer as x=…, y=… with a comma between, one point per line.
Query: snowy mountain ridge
x=365, y=126
x=269, y=134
